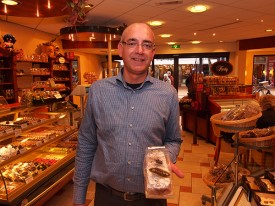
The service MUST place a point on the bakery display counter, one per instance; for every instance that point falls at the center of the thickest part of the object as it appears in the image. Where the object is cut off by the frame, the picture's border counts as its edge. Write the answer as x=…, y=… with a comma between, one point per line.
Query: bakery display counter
x=36, y=150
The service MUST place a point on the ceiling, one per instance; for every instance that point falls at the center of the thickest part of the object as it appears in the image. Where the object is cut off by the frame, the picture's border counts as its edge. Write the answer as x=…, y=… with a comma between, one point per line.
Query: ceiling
x=254, y=17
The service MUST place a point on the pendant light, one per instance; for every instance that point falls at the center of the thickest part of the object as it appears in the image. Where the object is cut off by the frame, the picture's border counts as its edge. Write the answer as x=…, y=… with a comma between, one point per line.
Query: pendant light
x=10, y=2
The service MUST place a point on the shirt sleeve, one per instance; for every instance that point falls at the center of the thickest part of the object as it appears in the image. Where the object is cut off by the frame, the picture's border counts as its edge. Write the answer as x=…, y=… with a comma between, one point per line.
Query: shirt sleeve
x=86, y=147
x=173, y=133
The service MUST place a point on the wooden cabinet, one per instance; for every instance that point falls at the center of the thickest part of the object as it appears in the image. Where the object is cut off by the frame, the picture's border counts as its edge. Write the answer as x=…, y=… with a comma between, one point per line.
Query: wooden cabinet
x=62, y=75
x=34, y=75
x=8, y=85
x=28, y=72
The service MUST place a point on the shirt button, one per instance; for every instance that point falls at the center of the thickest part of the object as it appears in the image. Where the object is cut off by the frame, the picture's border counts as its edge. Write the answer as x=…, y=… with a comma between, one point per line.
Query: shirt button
x=129, y=162
x=132, y=108
x=128, y=179
x=130, y=125
x=129, y=143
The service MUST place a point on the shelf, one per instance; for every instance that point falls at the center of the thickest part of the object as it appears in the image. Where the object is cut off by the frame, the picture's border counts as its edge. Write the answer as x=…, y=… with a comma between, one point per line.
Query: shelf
x=22, y=75
x=6, y=83
x=6, y=68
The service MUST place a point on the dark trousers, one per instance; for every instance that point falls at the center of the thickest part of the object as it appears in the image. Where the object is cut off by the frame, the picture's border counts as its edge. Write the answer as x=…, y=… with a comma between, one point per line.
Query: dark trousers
x=105, y=197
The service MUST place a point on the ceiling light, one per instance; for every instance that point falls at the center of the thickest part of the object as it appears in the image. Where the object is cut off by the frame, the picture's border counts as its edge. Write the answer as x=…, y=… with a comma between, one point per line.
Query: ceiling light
x=197, y=8
x=155, y=23
x=195, y=42
x=269, y=30
x=10, y=2
x=171, y=43
x=165, y=35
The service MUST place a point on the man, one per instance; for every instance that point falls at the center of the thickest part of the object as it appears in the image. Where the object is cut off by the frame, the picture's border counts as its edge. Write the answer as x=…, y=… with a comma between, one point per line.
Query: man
x=170, y=77
x=124, y=116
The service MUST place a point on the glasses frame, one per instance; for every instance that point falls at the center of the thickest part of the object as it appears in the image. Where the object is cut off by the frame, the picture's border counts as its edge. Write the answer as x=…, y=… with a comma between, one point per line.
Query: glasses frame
x=134, y=44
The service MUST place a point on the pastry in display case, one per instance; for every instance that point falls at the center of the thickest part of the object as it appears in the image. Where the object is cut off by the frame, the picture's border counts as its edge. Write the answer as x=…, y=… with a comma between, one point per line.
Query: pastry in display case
x=37, y=151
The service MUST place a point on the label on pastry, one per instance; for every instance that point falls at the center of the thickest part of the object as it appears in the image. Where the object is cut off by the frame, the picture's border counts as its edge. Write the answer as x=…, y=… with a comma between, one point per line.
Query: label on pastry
x=28, y=180
x=17, y=132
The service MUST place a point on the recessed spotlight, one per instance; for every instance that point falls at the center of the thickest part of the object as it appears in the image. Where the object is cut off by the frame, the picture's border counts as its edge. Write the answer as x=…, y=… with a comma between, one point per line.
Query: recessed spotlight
x=221, y=41
x=10, y=2
x=155, y=23
x=197, y=8
x=213, y=34
x=269, y=30
x=171, y=43
x=195, y=33
x=165, y=35
x=195, y=42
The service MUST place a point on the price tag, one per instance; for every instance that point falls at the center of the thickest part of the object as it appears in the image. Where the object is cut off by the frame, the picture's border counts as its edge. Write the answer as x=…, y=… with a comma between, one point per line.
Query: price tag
x=17, y=132
x=23, y=150
x=9, y=131
x=58, y=96
x=28, y=180
x=23, y=126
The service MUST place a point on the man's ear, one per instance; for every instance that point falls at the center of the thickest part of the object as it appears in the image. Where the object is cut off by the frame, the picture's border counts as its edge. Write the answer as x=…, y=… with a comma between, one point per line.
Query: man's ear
x=119, y=48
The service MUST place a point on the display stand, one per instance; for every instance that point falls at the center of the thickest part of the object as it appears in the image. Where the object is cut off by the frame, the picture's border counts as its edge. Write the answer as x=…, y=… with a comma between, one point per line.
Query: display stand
x=82, y=92
x=235, y=126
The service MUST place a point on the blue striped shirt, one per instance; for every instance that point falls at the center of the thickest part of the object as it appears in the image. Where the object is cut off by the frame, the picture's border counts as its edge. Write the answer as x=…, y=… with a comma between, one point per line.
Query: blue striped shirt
x=118, y=126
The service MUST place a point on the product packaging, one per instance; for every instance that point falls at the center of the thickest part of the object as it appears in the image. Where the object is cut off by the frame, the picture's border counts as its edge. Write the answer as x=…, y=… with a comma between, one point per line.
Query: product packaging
x=157, y=173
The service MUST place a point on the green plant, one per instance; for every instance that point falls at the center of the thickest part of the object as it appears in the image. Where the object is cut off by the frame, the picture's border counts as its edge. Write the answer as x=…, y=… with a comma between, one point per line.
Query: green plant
x=78, y=11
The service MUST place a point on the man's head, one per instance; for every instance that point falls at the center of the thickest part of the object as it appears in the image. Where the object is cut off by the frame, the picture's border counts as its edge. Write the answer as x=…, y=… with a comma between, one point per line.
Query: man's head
x=137, y=49
x=267, y=102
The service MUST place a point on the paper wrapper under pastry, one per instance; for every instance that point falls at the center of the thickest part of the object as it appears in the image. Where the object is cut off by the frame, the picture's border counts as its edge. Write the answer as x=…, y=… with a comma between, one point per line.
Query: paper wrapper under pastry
x=157, y=173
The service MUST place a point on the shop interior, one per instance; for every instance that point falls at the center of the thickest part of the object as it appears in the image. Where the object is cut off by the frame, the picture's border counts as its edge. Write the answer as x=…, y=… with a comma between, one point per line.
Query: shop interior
x=46, y=72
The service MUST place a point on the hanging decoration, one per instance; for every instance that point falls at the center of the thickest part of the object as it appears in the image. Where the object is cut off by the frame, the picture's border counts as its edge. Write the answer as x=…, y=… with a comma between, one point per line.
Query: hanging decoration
x=79, y=10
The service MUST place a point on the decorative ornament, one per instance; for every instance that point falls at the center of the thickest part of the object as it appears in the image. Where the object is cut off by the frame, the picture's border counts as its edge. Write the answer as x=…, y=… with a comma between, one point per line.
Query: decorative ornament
x=79, y=10
x=9, y=41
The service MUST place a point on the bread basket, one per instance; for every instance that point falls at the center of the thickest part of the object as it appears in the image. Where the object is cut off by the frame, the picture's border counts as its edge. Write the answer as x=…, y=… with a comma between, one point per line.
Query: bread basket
x=232, y=126
x=258, y=142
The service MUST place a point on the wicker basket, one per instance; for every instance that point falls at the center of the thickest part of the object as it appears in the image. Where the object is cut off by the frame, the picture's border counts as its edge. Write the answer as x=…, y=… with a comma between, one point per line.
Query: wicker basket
x=233, y=126
x=258, y=142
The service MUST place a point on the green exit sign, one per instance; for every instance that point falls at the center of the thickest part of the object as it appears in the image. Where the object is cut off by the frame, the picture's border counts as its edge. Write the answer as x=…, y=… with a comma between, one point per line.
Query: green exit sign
x=175, y=46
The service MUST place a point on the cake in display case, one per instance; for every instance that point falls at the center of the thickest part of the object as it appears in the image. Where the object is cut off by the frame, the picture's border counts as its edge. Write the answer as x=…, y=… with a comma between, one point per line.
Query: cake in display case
x=36, y=154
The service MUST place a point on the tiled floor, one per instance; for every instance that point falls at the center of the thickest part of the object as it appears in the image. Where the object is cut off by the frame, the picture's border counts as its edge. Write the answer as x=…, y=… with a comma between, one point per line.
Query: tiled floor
x=194, y=160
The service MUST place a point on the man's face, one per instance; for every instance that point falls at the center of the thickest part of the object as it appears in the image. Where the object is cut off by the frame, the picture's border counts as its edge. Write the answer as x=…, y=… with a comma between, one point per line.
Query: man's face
x=137, y=49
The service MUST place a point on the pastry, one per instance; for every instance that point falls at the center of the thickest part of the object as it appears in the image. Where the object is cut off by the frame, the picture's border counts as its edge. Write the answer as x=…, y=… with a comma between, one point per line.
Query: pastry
x=158, y=176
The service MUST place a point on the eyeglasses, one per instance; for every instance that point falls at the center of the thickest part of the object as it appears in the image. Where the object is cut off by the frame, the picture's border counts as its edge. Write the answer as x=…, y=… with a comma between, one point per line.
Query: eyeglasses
x=134, y=44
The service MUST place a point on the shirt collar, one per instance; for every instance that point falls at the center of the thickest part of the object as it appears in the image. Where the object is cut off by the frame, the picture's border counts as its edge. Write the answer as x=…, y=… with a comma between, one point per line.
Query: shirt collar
x=119, y=78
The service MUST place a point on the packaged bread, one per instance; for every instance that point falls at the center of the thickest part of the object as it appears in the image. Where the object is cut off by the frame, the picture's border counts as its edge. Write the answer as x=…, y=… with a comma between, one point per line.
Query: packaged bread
x=244, y=111
x=157, y=173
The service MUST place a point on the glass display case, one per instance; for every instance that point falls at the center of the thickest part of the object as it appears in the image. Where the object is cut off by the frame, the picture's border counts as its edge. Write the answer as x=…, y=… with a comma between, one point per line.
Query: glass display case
x=36, y=154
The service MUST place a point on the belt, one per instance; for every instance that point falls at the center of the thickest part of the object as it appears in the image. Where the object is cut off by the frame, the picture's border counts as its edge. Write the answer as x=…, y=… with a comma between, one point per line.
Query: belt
x=127, y=196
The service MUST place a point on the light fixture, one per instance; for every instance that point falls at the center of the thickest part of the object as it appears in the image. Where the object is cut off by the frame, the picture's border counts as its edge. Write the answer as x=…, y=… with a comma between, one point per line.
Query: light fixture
x=155, y=23
x=91, y=36
x=10, y=2
x=171, y=43
x=197, y=8
x=195, y=42
x=165, y=35
x=269, y=30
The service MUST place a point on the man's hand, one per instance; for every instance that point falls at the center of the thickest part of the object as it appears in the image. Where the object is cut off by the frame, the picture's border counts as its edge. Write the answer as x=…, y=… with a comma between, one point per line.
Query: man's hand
x=177, y=170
